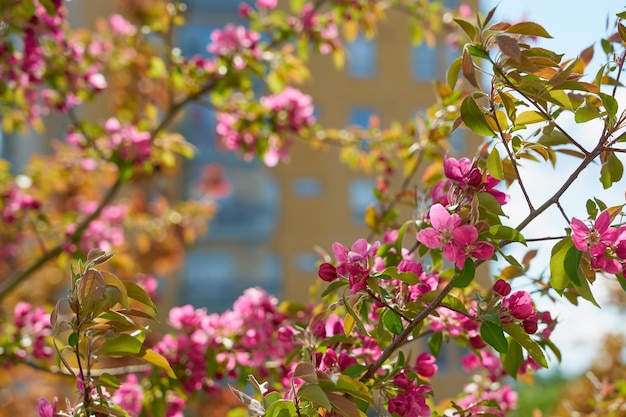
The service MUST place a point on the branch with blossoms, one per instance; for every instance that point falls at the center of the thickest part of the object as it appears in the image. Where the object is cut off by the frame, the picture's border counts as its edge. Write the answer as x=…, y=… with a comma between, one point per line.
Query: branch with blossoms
x=355, y=351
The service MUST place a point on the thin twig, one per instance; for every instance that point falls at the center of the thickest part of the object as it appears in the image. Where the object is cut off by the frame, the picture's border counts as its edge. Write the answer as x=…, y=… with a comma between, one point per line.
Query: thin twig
x=512, y=157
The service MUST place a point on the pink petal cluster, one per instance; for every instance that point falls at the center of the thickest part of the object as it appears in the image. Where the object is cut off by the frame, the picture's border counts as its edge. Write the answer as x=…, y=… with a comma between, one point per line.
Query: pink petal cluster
x=411, y=398
x=605, y=244
x=33, y=327
x=487, y=385
x=132, y=145
x=454, y=324
x=519, y=307
x=106, y=232
x=269, y=132
x=121, y=26
x=236, y=44
x=457, y=241
x=320, y=28
x=355, y=263
x=253, y=334
x=464, y=181
x=45, y=68
x=129, y=396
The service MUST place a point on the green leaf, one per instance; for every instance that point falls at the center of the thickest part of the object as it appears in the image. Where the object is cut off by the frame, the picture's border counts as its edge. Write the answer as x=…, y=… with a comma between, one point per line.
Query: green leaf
x=123, y=344
x=586, y=113
x=72, y=340
x=137, y=293
x=467, y=27
x=434, y=343
x=109, y=380
x=489, y=203
x=528, y=29
x=157, y=68
x=513, y=358
x=558, y=277
x=156, y=359
x=493, y=334
x=532, y=347
x=453, y=72
x=357, y=320
x=392, y=322
x=494, y=164
x=621, y=280
x=529, y=117
x=333, y=286
x=464, y=277
x=474, y=118
x=296, y=5
x=585, y=291
x=392, y=272
x=346, y=385
x=506, y=233
x=455, y=303
x=315, y=394
x=571, y=264
x=612, y=171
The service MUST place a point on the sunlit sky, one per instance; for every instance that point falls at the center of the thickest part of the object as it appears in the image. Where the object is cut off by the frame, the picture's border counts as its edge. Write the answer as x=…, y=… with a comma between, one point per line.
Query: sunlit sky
x=574, y=25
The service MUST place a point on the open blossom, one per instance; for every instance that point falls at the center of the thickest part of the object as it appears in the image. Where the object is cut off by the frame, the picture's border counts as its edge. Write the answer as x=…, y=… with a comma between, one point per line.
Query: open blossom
x=518, y=304
x=465, y=174
x=354, y=263
x=458, y=241
x=411, y=399
x=606, y=245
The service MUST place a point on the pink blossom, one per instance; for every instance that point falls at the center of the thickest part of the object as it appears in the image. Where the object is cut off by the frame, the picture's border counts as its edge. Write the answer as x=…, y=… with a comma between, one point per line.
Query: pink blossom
x=45, y=409
x=425, y=365
x=267, y=4
x=355, y=262
x=411, y=399
x=458, y=240
x=121, y=26
x=518, y=304
x=129, y=395
x=600, y=234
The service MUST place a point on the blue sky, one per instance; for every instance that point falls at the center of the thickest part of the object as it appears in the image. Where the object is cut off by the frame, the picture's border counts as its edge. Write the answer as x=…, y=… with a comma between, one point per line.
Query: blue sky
x=575, y=25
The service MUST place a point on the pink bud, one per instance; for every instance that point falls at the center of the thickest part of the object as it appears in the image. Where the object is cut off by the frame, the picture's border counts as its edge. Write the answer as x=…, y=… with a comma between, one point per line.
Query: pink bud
x=327, y=272
x=502, y=288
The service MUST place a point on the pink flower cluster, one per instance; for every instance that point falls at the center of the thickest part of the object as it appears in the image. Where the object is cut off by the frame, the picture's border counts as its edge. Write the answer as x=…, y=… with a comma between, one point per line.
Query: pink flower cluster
x=105, y=232
x=236, y=44
x=464, y=181
x=411, y=399
x=454, y=324
x=321, y=29
x=14, y=203
x=606, y=245
x=270, y=132
x=458, y=241
x=33, y=327
x=47, y=55
x=487, y=386
x=130, y=394
x=133, y=146
x=253, y=334
x=355, y=263
x=16, y=208
x=519, y=305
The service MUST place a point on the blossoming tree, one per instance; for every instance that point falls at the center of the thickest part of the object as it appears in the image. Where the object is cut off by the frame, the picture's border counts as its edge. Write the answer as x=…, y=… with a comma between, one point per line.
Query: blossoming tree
x=413, y=278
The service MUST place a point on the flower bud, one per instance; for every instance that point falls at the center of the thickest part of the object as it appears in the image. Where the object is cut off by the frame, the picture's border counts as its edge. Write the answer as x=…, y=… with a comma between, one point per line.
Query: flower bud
x=327, y=272
x=502, y=288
